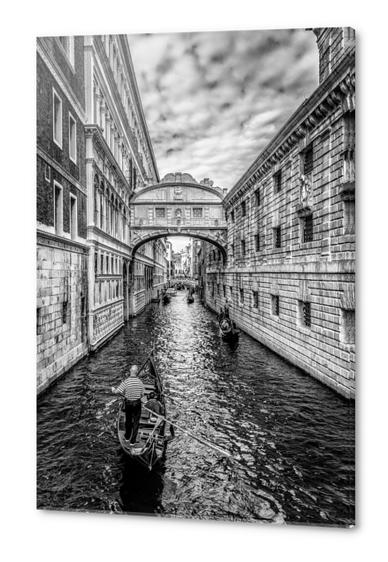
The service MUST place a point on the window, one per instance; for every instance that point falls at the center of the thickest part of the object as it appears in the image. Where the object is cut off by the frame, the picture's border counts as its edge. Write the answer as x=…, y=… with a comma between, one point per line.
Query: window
x=307, y=229
x=308, y=161
x=349, y=216
x=58, y=208
x=67, y=44
x=277, y=237
x=57, y=119
x=257, y=242
x=243, y=209
x=218, y=289
x=257, y=197
x=348, y=326
x=243, y=247
x=72, y=139
x=73, y=217
x=241, y=296
x=197, y=212
x=38, y=321
x=160, y=213
x=255, y=297
x=305, y=313
x=232, y=247
x=224, y=290
x=232, y=216
x=275, y=305
x=277, y=181
x=64, y=312
x=47, y=172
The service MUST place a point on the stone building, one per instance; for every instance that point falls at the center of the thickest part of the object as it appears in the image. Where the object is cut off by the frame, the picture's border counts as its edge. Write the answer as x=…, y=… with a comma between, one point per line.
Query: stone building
x=291, y=230
x=119, y=160
x=93, y=153
x=62, y=288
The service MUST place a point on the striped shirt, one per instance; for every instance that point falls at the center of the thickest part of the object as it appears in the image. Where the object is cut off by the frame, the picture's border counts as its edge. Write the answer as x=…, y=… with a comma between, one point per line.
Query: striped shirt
x=132, y=388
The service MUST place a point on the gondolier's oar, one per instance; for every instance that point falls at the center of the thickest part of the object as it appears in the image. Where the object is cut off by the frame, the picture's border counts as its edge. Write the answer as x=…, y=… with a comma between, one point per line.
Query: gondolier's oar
x=203, y=441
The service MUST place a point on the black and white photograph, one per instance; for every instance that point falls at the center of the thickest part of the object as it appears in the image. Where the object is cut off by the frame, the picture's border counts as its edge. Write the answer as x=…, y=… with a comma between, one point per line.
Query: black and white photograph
x=195, y=275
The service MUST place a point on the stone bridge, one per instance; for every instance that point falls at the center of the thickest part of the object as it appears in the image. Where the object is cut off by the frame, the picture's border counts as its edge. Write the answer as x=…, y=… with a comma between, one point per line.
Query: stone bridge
x=179, y=206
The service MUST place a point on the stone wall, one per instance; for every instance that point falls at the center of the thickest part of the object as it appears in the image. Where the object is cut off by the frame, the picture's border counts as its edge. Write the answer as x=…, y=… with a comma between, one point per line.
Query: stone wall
x=61, y=308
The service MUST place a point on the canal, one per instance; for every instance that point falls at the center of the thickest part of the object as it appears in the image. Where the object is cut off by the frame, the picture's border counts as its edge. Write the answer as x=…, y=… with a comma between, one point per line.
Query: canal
x=292, y=439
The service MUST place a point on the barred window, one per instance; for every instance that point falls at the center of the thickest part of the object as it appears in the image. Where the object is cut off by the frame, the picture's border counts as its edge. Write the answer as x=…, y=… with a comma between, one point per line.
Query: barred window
x=275, y=305
x=255, y=296
x=232, y=216
x=257, y=242
x=243, y=247
x=305, y=313
x=257, y=197
x=349, y=216
x=277, y=237
x=307, y=228
x=308, y=161
x=277, y=181
x=197, y=212
x=241, y=296
x=224, y=290
x=243, y=209
x=160, y=213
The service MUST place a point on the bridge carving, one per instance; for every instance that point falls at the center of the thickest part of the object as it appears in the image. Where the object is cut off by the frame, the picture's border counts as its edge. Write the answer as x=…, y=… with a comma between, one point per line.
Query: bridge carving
x=179, y=206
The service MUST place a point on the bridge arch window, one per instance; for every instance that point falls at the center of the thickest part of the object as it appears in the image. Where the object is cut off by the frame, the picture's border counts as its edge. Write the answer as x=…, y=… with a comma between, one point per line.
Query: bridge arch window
x=197, y=212
x=160, y=212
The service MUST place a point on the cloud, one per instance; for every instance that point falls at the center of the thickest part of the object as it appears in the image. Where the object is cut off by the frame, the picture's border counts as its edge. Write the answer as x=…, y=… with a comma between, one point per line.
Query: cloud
x=213, y=101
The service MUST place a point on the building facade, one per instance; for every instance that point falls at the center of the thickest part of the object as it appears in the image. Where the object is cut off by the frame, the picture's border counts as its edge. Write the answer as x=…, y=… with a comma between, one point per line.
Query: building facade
x=93, y=153
x=62, y=287
x=290, y=273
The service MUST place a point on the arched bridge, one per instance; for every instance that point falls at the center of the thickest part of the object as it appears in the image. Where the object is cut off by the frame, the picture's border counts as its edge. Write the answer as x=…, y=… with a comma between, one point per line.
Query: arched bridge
x=179, y=206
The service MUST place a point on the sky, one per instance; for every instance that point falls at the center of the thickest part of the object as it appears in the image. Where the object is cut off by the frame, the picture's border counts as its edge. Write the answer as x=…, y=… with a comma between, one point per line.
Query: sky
x=213, y=101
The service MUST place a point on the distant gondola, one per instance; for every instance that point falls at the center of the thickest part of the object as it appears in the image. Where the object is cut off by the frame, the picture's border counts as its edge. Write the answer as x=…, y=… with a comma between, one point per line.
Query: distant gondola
x=190, y=299
x=151, y=438
x=166, y=299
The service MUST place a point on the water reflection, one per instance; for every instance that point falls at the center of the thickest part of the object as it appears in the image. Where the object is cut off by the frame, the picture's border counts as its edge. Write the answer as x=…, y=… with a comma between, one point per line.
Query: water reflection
x=292, y=439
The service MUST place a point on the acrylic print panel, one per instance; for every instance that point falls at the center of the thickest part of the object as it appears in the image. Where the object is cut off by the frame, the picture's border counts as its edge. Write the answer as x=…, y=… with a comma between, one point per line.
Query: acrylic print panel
x=196, y=218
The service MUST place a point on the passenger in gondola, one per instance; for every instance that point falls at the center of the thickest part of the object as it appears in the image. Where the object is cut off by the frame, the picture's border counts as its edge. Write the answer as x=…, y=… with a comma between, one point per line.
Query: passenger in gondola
x=133, y=390
x=154, y=404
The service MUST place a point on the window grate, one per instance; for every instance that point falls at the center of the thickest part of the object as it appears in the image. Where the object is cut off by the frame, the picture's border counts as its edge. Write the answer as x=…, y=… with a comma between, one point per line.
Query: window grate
x=243, y=209
x=257, y=242
x=275, y=305
x=243, y=247
x=255, y=296
x=241, y=296
x=308, y=162
x=277, y=181
x=306, y=313
x=308, y=229
x=277, y=237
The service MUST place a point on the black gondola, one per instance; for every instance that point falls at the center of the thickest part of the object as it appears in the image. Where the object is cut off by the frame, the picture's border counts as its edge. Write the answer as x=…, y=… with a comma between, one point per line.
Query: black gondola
x=152, y=434
x=190, y=299
x=166, y=299
x=227, y=330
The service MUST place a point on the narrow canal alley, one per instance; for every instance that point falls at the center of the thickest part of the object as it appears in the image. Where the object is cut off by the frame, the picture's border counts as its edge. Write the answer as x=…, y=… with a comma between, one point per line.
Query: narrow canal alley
x=292, y=439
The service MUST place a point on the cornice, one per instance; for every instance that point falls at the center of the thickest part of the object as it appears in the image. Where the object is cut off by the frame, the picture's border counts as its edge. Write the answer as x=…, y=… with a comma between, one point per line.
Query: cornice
x=103, y=60
x=44, y=52
x=54, y=164
x=339, y=87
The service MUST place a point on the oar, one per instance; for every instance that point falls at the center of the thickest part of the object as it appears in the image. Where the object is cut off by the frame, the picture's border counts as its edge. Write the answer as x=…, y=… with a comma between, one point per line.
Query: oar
x=203, y=441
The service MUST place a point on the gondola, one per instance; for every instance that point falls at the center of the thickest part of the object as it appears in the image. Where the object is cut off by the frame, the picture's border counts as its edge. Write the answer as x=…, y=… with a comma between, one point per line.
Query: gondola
x=166, y=298
x=190, y=299
x=227, y=330
x=152, y=436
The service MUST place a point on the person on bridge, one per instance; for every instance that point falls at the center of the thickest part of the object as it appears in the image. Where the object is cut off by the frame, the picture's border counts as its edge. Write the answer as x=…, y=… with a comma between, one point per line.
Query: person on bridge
x=132, y=389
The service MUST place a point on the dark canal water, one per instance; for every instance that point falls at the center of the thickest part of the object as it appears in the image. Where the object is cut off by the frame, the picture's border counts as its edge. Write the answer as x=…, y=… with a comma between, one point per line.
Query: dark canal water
x=292, y=438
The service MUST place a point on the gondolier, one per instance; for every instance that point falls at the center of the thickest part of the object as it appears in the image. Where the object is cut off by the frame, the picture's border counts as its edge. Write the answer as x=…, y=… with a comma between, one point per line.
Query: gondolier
x=132, y=389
